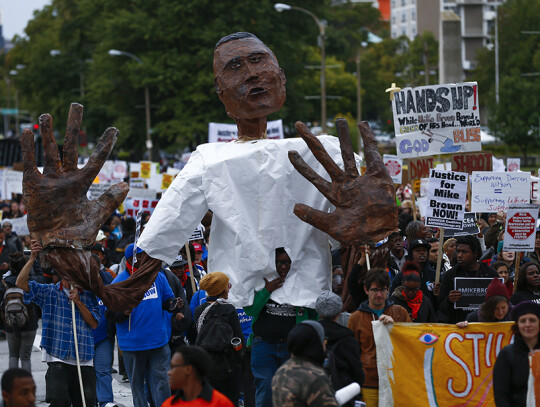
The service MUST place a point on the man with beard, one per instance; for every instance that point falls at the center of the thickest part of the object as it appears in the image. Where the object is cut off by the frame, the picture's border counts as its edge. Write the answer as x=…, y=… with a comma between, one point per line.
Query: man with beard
x=468, y=253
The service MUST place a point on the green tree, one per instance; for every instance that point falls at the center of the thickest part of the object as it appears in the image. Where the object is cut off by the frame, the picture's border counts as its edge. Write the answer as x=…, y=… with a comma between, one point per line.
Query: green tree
x=515, y=119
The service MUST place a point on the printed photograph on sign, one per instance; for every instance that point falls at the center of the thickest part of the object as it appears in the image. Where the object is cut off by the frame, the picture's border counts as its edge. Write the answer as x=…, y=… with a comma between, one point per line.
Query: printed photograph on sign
x=437, y=119
x=447, y=195
x=496, y=191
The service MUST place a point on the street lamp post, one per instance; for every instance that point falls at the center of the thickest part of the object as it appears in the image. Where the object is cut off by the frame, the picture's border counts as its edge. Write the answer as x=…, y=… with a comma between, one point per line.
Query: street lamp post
x=149, y=144
x=322, y=28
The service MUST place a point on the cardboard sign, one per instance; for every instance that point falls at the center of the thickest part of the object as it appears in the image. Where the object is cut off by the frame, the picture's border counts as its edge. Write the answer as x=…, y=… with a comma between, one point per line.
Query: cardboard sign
x=96, y=190
x=224, y=132
x=447, y=194
x=134, y=205
x=520, y=230
x=417, y=185
x=472, y=162
x=419, y=167
x=473, y=291
x=496, y=191
x=167, y=179
x=394, y=166
x=437, y=119
x=470, y=227
x=513, y=164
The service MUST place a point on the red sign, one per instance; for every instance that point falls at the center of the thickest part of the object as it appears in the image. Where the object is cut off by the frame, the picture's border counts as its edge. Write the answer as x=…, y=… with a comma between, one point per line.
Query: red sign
x=419, y=167
x=472, y=162
x=521, y=225
x=393, y=167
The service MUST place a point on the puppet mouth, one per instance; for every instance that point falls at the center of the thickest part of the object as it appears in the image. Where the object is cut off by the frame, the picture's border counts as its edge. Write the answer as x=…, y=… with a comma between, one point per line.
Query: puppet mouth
x=256, y=91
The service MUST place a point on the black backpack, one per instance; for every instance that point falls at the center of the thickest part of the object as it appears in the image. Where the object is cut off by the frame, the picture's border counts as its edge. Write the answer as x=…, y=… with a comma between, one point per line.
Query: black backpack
x=330, y=366
x=214, y=335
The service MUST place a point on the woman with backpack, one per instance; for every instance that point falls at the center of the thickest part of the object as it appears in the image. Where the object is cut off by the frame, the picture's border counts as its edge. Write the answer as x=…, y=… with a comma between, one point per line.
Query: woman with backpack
x=20, y=319
x=217, y=328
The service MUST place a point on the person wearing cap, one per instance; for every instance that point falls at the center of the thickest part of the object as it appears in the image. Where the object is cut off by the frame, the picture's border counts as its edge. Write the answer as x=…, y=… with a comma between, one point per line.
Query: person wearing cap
x=341, y=341
x=527, y=284
x=410, y=297
x=302, y=380
x=496, y=307
x=468, y=253
x=217, y=286
x=511, y=371
x=376, y=307
x=143, y=335
x=419, y=252
x=107, y=275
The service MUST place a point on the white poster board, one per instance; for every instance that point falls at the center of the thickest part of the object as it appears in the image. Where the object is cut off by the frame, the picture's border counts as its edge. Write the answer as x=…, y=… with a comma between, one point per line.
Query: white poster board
x=496, y=191
x=437, y=119
x=513, y=164
x=224, y=132
x=447, y=195
x=394, y=166
x=520, y=228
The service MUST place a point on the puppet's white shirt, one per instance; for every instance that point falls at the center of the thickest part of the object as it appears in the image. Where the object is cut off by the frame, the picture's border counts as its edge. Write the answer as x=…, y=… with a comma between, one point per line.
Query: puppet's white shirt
x=252, y=188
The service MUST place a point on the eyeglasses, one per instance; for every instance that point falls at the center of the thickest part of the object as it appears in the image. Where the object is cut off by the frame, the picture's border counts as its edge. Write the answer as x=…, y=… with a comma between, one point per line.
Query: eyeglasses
x=378, y=290
x=280, y=263
x=7, y=226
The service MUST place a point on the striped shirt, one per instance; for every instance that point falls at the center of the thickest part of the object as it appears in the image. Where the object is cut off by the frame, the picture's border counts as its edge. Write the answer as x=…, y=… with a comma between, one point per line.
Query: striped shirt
x=57, y=332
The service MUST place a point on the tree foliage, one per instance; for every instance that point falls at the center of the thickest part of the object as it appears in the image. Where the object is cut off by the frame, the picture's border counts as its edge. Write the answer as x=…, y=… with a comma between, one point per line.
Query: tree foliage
x=516, y=119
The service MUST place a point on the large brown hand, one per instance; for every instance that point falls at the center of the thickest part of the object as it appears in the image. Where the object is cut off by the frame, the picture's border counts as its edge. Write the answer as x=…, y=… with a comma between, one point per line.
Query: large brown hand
x=59, y=213
x=366, y=208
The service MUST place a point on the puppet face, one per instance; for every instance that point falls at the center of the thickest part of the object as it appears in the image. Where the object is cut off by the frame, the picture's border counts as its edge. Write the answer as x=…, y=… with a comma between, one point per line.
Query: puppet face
x=248, y=79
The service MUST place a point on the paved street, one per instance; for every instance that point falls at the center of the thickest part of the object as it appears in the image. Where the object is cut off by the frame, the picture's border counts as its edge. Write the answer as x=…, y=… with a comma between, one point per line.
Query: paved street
x=122, y=391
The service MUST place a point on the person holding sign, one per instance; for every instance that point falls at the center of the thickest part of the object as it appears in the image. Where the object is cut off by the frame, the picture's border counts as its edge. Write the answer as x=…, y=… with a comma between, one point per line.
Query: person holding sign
x=527, y=285
x=468, y=253
x=511, y=371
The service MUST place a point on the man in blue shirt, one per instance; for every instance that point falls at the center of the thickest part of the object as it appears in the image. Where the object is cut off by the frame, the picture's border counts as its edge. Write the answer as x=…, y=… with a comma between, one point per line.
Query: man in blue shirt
x=143, y=335
x=57, y=340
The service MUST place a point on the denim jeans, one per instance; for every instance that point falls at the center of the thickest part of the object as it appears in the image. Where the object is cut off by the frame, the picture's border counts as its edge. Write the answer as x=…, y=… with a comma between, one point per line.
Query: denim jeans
x=103, y=358
x=63, y=388
x=20, y=347
x=154, y=364
x=266, y=358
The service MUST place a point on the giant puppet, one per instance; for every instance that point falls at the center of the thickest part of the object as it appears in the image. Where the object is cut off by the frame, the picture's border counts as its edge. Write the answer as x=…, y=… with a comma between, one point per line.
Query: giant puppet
x=264, y=194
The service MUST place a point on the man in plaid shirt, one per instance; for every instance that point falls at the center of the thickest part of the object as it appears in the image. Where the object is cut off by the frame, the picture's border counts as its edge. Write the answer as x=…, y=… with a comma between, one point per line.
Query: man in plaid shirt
x=57, y=341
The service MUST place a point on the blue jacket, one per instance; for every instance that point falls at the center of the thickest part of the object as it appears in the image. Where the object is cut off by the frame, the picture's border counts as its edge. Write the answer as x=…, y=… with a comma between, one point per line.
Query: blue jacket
x=149, y=325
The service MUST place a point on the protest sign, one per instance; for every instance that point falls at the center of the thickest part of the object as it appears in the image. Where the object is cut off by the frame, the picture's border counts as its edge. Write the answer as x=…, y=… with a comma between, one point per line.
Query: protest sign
x=447, y=194
x=419, y=167
x=496, y=191
x=224, y=132
x=146, y=193
x=424, y=186
x=519, y=233
x=20, y=226
x=498, y=165
x=96, y=190
x=473, y=291
x=120, y=170
x=198, y=233
x=513, y=164
x=450, y=366
x=437, y=119
x=166, y=181
x=470, y=227
x=12, y=183
x=534, y=189
x=394, y=166
x=146, y=168
x=133, y=205
x=472, y=162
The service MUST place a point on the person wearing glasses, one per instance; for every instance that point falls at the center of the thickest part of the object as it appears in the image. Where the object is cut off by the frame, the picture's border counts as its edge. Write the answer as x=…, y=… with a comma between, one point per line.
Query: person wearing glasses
x=190, y=367
x=376, y=307
x=271, y=325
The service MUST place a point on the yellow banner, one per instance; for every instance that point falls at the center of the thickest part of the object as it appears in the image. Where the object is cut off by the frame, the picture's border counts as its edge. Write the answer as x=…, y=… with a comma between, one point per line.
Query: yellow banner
x=146, y=169
x=166, y=181
x=438, y=365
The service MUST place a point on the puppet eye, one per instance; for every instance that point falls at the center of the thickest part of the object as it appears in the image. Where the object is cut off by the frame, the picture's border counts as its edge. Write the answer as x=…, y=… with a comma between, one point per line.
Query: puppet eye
x=428, y=339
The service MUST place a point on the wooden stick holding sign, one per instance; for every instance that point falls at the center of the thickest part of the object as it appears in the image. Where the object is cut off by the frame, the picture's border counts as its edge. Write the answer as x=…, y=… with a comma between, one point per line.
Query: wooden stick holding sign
x=190, y=265
x=517, y=262
x=439, y=256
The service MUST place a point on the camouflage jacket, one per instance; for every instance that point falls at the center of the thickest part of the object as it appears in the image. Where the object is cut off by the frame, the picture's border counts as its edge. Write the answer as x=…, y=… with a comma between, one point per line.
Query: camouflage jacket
x=299, y=382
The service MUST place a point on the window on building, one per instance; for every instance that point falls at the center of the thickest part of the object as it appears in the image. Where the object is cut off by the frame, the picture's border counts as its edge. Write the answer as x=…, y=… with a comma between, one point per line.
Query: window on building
x=403, y=3
x=393, y=19
x=403, y=17
x=413, y=15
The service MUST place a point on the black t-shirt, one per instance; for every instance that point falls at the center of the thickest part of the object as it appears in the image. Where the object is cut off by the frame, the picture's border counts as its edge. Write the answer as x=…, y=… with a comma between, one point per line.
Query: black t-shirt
x=275, y=321
x=524, y=295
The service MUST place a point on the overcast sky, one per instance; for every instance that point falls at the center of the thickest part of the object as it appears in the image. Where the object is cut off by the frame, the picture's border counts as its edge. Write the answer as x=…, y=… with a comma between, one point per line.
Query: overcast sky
x=16, y=13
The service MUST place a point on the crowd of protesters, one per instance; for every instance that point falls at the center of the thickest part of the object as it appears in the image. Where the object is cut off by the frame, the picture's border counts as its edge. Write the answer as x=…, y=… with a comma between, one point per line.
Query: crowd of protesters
x=279, y=355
